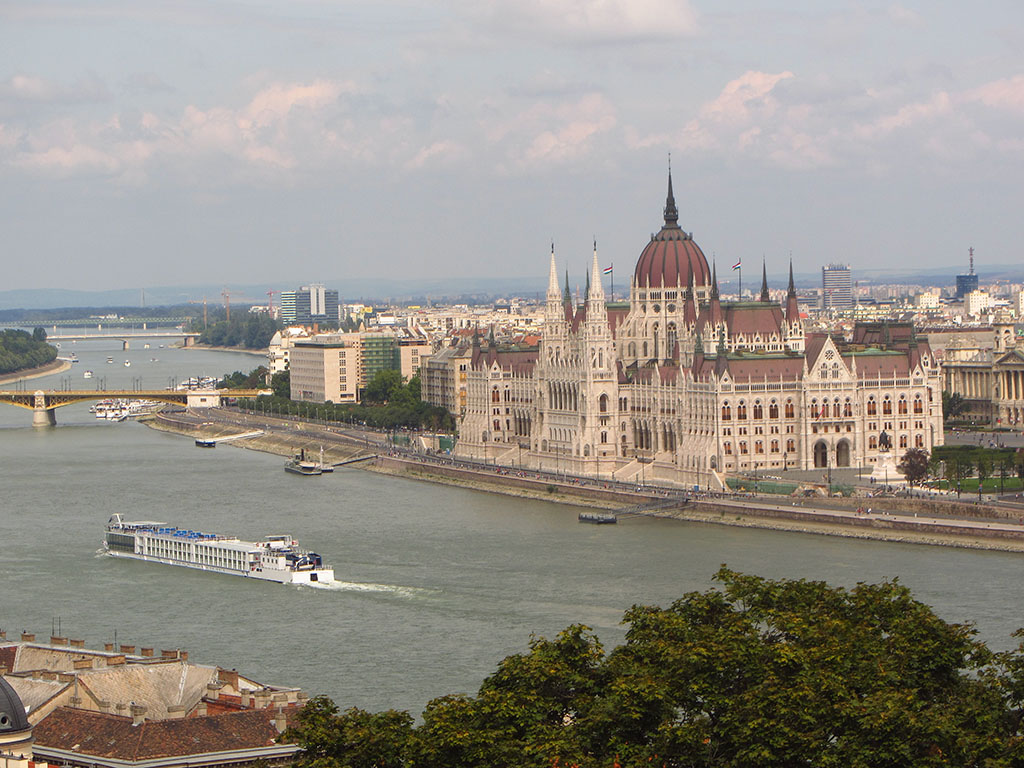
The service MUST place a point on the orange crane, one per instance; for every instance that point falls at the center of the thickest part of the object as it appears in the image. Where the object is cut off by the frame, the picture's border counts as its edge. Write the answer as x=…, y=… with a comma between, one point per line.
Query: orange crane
x=270, y=301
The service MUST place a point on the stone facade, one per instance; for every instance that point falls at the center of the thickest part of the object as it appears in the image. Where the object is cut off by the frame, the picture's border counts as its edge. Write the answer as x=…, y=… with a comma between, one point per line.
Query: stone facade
x=679, y=387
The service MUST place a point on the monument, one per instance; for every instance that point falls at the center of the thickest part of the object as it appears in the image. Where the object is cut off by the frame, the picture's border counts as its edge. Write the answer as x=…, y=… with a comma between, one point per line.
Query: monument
x=885, y=471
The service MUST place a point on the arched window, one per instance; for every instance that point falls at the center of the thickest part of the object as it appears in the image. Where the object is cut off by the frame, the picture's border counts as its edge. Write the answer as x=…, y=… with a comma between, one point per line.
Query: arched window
x=835, y=370
x=872, y=442
x=495, y=396
x=773, y=410
x=758, y=446
x=645, y=349
x=602, y=403
x=790, y=445
x=743, y=447
x=835, y=408
x=919, y=441
x=847, y=408
x=758, y=410
x=918, y=405
x=741, y=410
x=632, y=349
x=671, y=340
x=727, y=448
x=902, y=406
x=903, y=441
x=604, y=437
x=790, y=411
x=726, y=412
x=775, y=446
x=872, y=407
x=887, y=406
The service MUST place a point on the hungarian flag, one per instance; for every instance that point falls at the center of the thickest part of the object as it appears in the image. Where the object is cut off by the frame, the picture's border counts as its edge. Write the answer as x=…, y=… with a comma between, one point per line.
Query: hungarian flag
x=607, y=271
x=738, y=264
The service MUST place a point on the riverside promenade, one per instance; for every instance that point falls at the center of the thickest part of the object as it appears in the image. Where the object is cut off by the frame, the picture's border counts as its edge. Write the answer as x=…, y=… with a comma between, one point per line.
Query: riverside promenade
x=926, y=520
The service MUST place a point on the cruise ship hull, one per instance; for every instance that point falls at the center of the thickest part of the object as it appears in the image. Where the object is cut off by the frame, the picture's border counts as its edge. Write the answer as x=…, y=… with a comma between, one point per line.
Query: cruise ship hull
x=276, y=558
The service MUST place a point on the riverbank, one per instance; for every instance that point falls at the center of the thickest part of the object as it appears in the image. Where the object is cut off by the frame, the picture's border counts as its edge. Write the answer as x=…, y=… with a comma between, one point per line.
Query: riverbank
x=910, y=521
x=207, y=347
x=56, y=366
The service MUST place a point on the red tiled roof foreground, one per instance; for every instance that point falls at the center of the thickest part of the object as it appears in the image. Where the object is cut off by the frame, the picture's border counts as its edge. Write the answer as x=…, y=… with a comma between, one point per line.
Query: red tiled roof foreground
x=114, y=736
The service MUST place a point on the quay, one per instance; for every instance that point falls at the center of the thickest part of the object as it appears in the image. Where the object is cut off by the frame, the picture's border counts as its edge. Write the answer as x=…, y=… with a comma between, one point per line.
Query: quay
x=899, y=519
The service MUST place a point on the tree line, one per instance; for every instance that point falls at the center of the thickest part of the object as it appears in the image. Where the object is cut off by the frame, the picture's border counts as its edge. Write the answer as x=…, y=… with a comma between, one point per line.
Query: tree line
x=20, y=350
x=754, y=672
x=248, y=330
x=388, y=402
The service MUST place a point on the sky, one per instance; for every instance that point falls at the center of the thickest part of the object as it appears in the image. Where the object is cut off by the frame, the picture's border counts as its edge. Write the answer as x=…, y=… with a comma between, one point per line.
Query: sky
x=171, y=143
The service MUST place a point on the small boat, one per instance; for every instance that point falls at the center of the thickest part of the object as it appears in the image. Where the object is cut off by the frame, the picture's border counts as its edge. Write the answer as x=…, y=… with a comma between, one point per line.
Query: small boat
x=87, y=375
x=598, y=518
x=110, y=359
x=205, y=442
x=300, y=465
x=127, y=363
x=73, y=358
x=145, y=346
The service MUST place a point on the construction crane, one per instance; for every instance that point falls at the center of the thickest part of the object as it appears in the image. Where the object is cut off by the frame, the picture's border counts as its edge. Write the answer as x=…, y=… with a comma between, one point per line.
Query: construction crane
x=270, y=301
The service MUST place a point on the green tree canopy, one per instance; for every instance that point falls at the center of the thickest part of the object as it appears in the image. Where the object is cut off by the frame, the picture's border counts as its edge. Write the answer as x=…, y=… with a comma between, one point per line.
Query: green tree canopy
x=754, y=673
x=20, y=350
x=384, y=387
x=915, y=465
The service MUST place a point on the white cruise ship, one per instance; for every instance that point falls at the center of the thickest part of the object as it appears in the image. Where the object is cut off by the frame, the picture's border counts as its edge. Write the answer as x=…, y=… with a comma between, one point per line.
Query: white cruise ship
x=276, y=558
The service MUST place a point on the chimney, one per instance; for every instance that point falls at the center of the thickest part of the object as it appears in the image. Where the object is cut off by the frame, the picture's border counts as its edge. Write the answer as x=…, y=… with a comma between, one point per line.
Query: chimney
x=213, y=691
x=119, y=708
x=183, y=655
x=228, y=677
x=138, y=714
x=28, y=637
x=176, y=712
x=108, y=647
x=76, y=643
x=200, y=710
x=146, y=651
x=104, y=705
x=280, y=721
x=57, y=640
x=3, y=634
x=246, y=699
x=115, y=661
x=127, y=648
x=82, y=663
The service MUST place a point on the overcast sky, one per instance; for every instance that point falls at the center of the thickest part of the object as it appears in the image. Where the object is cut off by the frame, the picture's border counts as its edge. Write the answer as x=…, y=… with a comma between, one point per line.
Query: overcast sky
x=153, y=143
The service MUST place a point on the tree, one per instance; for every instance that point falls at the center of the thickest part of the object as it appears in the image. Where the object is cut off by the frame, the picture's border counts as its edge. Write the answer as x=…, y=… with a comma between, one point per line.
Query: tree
x=753, y=673
x=953, y=405
x=39, y=333
x=281, y=384
x=384, y=386
x=914, y=465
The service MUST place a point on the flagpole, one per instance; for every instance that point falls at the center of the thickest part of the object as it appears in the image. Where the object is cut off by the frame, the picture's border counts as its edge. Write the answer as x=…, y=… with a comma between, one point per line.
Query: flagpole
x=739, y=296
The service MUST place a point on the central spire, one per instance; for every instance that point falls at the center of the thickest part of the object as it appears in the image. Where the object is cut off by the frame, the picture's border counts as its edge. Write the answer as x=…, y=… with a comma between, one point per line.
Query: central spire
x=671, y=213
x=764, y=280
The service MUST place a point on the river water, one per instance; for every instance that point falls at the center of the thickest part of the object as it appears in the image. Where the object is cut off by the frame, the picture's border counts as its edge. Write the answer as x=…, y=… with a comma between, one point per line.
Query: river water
x=437, y=584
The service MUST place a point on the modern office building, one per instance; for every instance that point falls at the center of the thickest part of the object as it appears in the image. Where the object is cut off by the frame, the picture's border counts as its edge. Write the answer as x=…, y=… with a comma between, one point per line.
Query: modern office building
x=309, y=304
x=836, y=288
x=965, y=284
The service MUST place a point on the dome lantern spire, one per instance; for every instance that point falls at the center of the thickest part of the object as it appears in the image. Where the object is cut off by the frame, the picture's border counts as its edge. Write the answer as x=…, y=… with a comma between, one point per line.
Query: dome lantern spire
x=671, y=212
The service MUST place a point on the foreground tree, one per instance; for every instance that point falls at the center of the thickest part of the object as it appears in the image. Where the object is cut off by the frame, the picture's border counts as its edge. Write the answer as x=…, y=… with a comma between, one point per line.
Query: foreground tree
x=914, y=465
x=755, y=673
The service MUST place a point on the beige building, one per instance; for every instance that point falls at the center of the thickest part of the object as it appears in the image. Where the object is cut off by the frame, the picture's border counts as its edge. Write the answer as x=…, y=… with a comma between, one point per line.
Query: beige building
x=989, y=376
x=682, y=387
x=336, y=367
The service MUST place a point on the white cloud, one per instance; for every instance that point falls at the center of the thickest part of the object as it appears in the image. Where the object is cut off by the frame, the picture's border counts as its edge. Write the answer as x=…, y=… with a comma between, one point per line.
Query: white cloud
x=588, y=20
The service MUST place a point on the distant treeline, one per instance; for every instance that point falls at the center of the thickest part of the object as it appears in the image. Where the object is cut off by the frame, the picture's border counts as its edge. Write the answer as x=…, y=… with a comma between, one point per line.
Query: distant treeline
x=252, y=331
x=20, y=350
x=90, y=314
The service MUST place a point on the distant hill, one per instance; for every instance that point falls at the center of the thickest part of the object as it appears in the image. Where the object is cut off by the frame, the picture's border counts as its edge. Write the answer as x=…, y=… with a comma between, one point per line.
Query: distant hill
x=459, y=289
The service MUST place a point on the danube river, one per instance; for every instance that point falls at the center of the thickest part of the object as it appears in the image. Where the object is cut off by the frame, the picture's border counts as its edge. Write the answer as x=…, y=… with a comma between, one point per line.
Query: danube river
x=437, y=584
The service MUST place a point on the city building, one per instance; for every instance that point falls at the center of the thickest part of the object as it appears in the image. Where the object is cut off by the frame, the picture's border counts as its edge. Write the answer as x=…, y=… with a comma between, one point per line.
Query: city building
x=977, y=302
x=988, y=375
x=836, y=288
x=681, y=387
x=309, y=304
x=62, y=704
x=969, y=282
x=337, y=367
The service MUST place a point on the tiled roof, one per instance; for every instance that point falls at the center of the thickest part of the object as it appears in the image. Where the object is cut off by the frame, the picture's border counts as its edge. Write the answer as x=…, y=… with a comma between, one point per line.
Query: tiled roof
x=113, y=736
x=771, y=367
x=8, y=655
x=155, y=687
x=750, y=318
x=34, y=693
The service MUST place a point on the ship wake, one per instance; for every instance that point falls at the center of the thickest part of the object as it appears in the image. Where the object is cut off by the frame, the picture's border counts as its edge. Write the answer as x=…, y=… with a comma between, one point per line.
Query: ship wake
x=357, y=586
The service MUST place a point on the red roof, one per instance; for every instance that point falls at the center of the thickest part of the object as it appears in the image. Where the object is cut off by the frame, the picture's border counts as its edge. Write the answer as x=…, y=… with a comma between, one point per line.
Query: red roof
x=114, y=736
x=671, y=259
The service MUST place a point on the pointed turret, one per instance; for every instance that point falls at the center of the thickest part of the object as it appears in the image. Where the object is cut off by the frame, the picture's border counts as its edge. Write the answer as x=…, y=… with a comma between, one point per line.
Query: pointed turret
x=689, y=305
x=553, y=276
x=586, y=291
x=596, y=287
x=792, y=311
x=671, y=213
x=567, y=294
x=764, y=281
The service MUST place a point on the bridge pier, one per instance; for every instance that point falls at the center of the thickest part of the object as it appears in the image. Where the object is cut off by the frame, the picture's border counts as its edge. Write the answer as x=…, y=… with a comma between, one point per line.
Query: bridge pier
x=44, y=417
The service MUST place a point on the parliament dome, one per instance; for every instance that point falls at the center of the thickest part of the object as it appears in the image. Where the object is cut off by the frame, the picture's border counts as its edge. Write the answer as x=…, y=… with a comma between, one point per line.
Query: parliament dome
x=672, y=256
x=12, y=713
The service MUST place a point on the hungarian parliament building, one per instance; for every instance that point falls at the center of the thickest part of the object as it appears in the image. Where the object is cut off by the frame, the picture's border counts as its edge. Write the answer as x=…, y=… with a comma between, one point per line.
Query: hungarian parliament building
x=679, y=387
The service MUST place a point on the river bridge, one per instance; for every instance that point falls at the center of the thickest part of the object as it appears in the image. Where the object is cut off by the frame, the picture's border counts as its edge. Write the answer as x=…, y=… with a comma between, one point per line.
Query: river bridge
x=43, y=403
x=188, y=338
